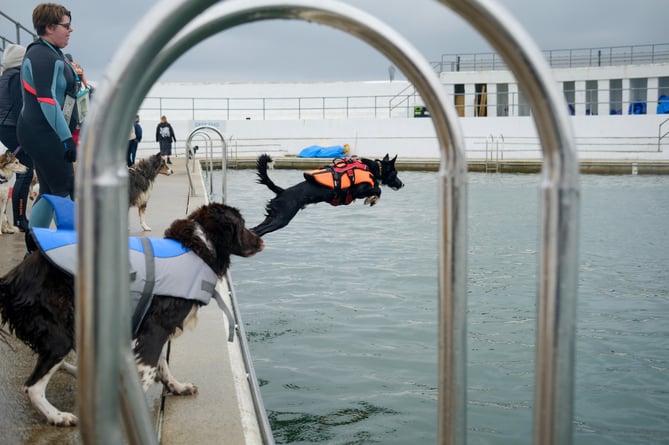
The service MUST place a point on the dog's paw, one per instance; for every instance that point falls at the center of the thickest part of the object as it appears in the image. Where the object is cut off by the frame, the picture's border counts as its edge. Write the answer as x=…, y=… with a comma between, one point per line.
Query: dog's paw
x=146, y=228
x=371, y=200
x=9, y=230
x=181, y=389
x=63, y=419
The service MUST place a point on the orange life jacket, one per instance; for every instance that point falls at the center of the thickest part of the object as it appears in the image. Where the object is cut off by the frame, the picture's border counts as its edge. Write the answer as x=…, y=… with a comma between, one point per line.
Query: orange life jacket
x=340, y=176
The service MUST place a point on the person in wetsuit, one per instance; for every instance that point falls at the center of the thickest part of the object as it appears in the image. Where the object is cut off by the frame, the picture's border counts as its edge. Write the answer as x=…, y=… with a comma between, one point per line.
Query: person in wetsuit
x=44, y=129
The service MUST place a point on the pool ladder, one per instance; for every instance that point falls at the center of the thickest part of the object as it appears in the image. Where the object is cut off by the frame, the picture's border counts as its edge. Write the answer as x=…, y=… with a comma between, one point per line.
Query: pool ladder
x=171, y=28
x=493, y=153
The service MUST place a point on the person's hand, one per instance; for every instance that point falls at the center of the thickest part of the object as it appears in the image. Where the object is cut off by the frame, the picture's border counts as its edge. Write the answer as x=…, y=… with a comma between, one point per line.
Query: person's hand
x=70, y=150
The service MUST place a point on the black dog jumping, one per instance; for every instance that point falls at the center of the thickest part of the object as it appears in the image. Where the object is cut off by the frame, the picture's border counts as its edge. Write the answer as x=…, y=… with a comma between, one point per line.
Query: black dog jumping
x=339, y=183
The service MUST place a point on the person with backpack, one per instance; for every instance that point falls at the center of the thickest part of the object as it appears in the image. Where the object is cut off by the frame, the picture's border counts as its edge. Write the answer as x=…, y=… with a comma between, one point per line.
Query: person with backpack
x=11, y=102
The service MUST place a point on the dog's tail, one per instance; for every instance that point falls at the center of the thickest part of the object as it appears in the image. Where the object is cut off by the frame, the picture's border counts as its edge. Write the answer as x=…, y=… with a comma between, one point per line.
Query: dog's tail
x=261, y=165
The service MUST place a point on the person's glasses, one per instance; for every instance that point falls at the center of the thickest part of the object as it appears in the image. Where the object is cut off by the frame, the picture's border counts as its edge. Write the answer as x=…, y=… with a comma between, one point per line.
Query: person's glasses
x=65, y=25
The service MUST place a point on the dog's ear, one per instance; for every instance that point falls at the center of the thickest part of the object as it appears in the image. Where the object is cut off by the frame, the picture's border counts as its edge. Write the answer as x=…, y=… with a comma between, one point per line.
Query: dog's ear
x=393, y=160
x=386, y=158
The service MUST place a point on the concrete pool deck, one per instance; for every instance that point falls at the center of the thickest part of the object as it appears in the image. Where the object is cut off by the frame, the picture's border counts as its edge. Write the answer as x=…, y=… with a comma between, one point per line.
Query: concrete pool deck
x=222, y=411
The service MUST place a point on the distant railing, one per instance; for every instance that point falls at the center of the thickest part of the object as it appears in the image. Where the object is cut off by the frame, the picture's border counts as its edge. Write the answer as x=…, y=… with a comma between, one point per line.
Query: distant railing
x=581, y=101
x=561, y=58
x=269, y=108
x=20, y=29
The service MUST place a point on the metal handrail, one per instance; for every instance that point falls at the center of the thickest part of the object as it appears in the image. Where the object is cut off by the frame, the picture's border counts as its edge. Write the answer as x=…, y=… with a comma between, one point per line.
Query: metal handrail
x=562, y=58
x=661, y=136
x=341, y=107
x=558, y=268
x=19, y=27
x=103, y=331
x=203, y=131
x=103, y=266
x=102, y=188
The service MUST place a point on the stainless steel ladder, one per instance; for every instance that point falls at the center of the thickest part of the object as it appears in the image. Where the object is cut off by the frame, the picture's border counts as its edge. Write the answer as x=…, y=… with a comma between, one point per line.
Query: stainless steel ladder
x=102, y=324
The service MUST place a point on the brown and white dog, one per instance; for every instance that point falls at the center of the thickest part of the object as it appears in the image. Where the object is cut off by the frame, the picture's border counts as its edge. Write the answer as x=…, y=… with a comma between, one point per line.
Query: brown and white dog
x=37, y=304
x=140, y=182
x=9, y=165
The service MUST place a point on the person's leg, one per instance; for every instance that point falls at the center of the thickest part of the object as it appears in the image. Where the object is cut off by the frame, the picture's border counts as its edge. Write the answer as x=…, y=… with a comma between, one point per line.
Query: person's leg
x=128, y=155
x=134, y=151
x=21, y=191
x=56, y=176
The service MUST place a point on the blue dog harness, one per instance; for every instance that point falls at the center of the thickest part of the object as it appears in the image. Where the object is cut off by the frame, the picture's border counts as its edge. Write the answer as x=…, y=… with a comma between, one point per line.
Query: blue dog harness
x=158, y=266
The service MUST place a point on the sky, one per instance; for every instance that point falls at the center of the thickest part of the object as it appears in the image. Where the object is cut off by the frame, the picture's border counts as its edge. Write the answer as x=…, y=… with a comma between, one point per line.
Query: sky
x=297, y=51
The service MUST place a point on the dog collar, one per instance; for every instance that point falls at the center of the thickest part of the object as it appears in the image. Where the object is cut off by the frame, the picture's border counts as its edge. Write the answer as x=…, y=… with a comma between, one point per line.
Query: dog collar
x=3, y=179
x=380, y=165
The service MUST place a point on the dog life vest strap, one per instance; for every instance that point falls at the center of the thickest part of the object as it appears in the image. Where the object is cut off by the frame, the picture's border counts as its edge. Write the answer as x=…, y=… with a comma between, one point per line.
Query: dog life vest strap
x=147, y=293
x=211, y=288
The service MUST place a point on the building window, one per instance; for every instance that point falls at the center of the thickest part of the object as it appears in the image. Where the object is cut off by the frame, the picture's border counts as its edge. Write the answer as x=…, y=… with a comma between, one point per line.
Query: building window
x=662, y=86
x=616, y=96
x=459, y=96
x=523, y=104
x=638, y=96
x=502, y=99
x=591, y=100
x=481, y=100
x=663, y=95
x=569, y=91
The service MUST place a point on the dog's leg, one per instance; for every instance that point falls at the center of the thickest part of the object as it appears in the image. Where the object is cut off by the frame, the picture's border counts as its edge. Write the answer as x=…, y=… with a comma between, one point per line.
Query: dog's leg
x=142, y=218
x=69, y=368
x=280, y=211
x=35, y=389
x=371, y=200
x=5, y=227
x=173, y=385
x=147, y=375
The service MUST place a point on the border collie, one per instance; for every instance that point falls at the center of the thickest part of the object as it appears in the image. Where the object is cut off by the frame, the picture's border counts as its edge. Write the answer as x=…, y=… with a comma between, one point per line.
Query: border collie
x=339, y=183
x=37, y=303
x=140, y=182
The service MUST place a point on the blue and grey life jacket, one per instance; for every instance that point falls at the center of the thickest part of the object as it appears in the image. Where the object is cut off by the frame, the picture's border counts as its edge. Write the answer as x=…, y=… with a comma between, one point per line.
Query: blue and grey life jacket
x=158, y=266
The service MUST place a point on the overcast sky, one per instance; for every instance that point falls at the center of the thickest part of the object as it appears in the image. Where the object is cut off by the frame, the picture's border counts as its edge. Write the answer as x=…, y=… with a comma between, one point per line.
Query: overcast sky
x=291, y=50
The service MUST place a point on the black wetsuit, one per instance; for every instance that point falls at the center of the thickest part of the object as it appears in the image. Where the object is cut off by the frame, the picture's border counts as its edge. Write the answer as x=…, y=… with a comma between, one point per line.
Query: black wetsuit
x=44, y=134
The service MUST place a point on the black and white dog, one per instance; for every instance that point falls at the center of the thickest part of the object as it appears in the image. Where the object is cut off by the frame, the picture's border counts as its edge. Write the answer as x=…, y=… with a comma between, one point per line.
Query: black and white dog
x=140, y=183
x=339, y=183
x=37, y=303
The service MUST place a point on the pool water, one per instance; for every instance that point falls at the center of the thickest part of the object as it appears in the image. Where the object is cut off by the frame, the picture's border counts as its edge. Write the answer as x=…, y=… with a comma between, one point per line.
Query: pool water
x=340, y=310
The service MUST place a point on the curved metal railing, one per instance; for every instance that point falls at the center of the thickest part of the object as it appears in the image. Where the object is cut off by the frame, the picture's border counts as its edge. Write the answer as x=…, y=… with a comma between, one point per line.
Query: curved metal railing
x=204, y=132
x=102, y=326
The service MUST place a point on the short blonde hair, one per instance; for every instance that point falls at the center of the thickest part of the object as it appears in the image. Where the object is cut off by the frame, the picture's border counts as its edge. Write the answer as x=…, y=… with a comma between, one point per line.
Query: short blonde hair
x=46, y=14
x=163, y=119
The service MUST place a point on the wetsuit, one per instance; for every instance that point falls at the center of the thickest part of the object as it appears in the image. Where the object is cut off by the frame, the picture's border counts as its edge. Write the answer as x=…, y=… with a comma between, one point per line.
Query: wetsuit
x=43, y=132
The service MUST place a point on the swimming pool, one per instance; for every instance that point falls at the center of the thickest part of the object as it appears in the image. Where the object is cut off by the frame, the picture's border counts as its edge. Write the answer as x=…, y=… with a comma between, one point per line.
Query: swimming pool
x=340, y=311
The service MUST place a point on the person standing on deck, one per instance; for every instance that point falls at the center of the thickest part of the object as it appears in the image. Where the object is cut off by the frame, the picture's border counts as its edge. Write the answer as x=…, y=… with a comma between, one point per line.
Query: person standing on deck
x=165, y=136
x=11, y=101
x=133, y=143
x=52, y=93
